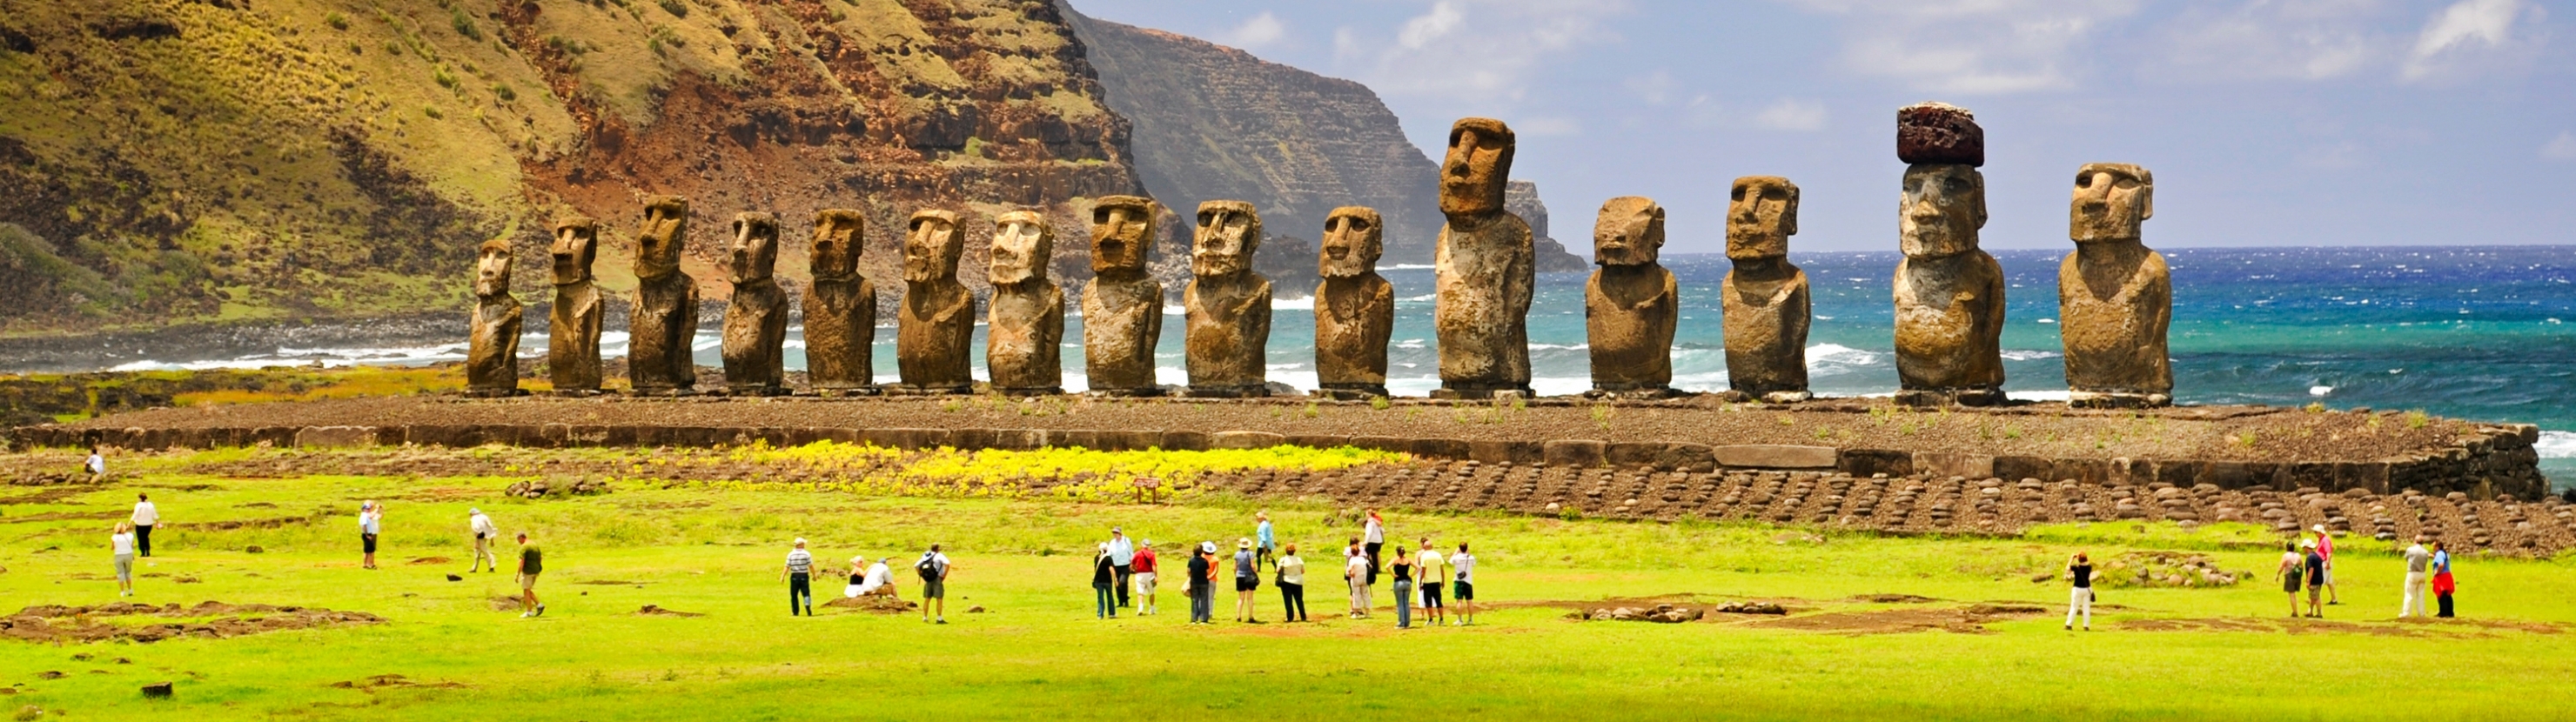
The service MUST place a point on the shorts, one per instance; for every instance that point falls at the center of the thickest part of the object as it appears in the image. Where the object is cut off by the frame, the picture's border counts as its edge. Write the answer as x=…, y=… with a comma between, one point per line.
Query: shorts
x=528, y=581
x=1144, y=582
x=1431, y=596
x=2290, y=585
x=369, y=541
x=934, y=589
x=2329, y=574
x=125, y=568
x=1246, y=584
x=1462, y=591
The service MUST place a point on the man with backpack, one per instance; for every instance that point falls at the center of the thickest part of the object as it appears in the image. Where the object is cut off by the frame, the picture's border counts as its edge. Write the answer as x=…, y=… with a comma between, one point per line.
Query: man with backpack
x=933, y=568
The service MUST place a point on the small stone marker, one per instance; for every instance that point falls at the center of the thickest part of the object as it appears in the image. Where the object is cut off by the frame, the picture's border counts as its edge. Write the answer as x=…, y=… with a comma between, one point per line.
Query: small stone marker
x=157, y=691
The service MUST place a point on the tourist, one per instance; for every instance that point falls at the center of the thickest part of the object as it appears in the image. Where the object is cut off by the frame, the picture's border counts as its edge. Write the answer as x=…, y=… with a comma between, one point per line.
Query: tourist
x=2325, y=550
x=878, y=579
x=1145, y=568
x=858, y=577
x=1373, y=534
x=2080, y=598
x=1429, y=562
x=934, y=569
x=2315, y=565
x=1203, y=584
x=1104, y=574
x=1403, y=572
x=1292, y=584
x=1355, y=570
x=1463, y=567
x=1247, y=577
x=485, y=534
x=1265, y=545
x=531, y=563
x=145, y=515
x=1122, y=561
x=2443, y=585
x=799, y=573
x=370, y=523
x=122, y=543
x=2293, y=569
x=95, y=466
x=2418, y=562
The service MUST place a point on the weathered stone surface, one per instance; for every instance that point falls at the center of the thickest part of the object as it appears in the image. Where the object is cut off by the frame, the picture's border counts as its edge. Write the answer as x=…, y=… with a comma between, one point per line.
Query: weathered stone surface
x=1949, y=295
x=1024, y=348
x=1775, y=456
x=840, y=307
x=1547, y=255
x=1228, y=304
x=755, y=320
x=335, y=436
x=574, y=324
x=1483, y=268
x=1122, y=307
x=492, y=356
x=936, y=323
x=664, y=320
x=1973, y=466
x=1245, y=440
x=2114, y=295
x=1765, y=297
x=1575, y=452
x=1354, y=306
x=1630, y=306
x=1939, y=133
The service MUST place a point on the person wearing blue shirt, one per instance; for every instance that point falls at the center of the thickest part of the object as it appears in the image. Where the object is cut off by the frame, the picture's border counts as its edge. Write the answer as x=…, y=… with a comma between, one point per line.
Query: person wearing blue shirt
x=2442, y=583
x=1263, y=541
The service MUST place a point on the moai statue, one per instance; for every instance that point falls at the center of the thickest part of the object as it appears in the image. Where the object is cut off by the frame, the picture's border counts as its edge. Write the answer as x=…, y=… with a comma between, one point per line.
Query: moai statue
x=1949, y=294
x=664, y=321
x=572, y=335
x=1122, y=307
x=1023, y=346
x=1765, y=297
x=1631, y=304
x=492, y=358
x=936, y=324
x=1354, y=307
x=840, y=308
x=755, y=322
x=1484, y=267
x=1228, y=337
x=2114, y=296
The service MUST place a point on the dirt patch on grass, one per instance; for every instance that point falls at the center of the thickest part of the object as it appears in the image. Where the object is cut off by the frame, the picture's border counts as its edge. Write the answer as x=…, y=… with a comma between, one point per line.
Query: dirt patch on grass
x=2408, y=628
x=656, y=610
x=382, y=681
x=1971, y=619
x=608, y=582
x=430, y=560
x=1892, y=599
x=56, y=623
x=874, y=603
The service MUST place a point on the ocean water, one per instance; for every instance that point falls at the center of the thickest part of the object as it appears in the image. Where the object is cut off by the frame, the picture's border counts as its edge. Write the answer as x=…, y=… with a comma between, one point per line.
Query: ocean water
x=2479, y=333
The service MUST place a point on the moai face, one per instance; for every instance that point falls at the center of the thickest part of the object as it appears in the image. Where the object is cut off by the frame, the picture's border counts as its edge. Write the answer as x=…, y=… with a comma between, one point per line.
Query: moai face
x=658, y=240
x=839, y=236
x=1944, y=205
x=753, y=254
x=492, y=269
x=1122, y=232
x=1229, y=232
x=931, y=246
x=1630, y=232
x=1478, y=165
x=2111, y=201
x=1761, y=215
x=576, y=245
x=1354, y=237
x=1022, y=245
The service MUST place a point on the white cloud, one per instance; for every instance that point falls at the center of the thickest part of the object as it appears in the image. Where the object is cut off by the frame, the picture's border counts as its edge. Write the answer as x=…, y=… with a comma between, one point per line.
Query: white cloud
x=1972, y=46
x=1792, y=114
x=1655, y=88
x=1479, y=51
x=2561, y=148
x=1262, y=30
x=2275, y=40
x=2456, y=39
x=1419, y=32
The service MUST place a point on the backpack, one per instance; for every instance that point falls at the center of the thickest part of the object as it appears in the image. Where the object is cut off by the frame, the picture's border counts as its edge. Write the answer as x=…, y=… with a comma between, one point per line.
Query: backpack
x=929, y=568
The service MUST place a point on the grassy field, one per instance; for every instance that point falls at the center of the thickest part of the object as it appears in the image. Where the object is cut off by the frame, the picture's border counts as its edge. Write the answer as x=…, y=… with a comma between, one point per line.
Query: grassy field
x=1037, y=652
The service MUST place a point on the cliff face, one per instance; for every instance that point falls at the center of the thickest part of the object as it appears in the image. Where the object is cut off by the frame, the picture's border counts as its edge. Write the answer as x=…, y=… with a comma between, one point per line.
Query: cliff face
x=1213, y=122
x=1520, y=197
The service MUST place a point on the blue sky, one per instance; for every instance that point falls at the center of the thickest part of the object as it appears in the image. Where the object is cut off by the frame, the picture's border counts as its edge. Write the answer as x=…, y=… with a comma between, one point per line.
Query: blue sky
x=2265, y=122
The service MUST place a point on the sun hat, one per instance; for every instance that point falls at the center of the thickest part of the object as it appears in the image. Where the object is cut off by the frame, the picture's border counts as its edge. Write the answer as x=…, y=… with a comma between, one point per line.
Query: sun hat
x=1144, y=542
x=800, y=541
x=1242, y=543
x=472, y=512
x=2320, y=528
x=1208, y=547
x=2308, y=543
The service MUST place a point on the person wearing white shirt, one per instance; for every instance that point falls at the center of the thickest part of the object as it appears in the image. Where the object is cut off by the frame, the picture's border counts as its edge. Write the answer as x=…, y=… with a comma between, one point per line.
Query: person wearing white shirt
x=145, y=515
x=1463, y=591
x=370, y=523
x=867, y=579
x=485, y=532
x=95, y=465
x=1122, y=560
x=1356, y=570
x=934, y=568
x=122, y=543
x=1373, y=536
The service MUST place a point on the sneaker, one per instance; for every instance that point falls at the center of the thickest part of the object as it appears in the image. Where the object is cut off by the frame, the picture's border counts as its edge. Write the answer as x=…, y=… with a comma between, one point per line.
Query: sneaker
x=541, y=610
x=943, y=619
x=525, y=615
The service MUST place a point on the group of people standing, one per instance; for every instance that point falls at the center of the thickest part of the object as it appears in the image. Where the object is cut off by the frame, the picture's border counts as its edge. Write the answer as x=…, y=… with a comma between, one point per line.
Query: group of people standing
x=870, y=578
x=1420, y=581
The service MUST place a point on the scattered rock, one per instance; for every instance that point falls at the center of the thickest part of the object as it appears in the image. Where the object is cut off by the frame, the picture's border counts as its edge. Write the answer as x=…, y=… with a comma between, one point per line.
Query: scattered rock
x=540, y=488
x=50, y=674
x=430, y=560
x=252, y=549
x=57, y=624
x=28, y=712
x=159, y=691
x=977, y=609
x=873, y=603
x=454, y=578
x=1750, y=608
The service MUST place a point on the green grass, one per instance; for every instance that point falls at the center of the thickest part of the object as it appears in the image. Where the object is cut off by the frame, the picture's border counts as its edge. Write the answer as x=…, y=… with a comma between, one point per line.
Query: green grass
x=1037, y=652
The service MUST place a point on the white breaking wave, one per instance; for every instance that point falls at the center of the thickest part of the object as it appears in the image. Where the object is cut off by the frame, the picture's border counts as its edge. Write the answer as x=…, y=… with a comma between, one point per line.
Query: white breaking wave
x=1559, y=347
x=2557, y=445
x=2024, y=355
x=2038, y=395
x=1408, y=267
x=1174, y=310
x=2320, y=390
x=1307, y=303
x=1424, y=298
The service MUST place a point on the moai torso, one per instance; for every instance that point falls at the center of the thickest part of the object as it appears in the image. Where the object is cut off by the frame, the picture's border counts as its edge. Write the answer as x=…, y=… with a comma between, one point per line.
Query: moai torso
x=1483, y=266
x=1949, y=294
x=1765, y=297
x=841, y=306
x=573, y=326
x=755, y=325
x=1354, y=306
x=2114, y=296
x=1631, y=304
x=935, y=328
x=1023, y=347
x=1122, y=307
x=1228, y=305
x=492, y=356
x=664, y=321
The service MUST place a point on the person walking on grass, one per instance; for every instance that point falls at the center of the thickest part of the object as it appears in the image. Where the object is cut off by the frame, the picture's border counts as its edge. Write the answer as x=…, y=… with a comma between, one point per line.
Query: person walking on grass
x=2315, y=565
x=799, y=573
x=1428, y=582
x=934, y=569
x=2325, y=550
x=2443, y=585
x=371, y=521
x=1122, y=562
x=1402, y=570
x=1265, y=545
x=1355, y=571
x=145, y=515
x=531, y=563
x=1462, y=566
x=1292, y=584
x=485, y=535
x=121, y=543
x=2293, y=571
x=2080, y=570
x=1247, y=578
x=1104, y=575
x=95, y=466
x=2418, y=563
x=1145, y=576
x=1203, y=584
x=1373, y=536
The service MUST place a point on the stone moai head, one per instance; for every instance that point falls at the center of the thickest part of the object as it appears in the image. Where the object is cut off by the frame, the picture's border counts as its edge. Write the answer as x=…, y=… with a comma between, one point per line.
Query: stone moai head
x=1943, y=207
x=840, y=235
x=1761, y=215
x=1229, y=232
x=658, y=241
x=1122, y=232
x=1479, y=164
x=1354, y=238
x=2112, y=200
x=576, y=245
x=753, y=254
x=492, y=269
x=1630, y=232
x=1022, y=245
x=931, y=246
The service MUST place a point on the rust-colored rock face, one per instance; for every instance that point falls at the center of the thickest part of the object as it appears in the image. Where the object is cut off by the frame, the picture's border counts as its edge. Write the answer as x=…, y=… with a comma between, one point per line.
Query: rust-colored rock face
x=1228, y=304
x=1765, y=297
x=492, y=357
x=1122, y=307
x=573, y=326
x=2114, y=295
x=840, y=307
x=665, y=317
x=1023, y=349
x=1354, y=306
x=1484, y=268
x=1939, y=134
x=936, y=323
x=1949, y=294
x=1630, y=306
x=755, y=320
